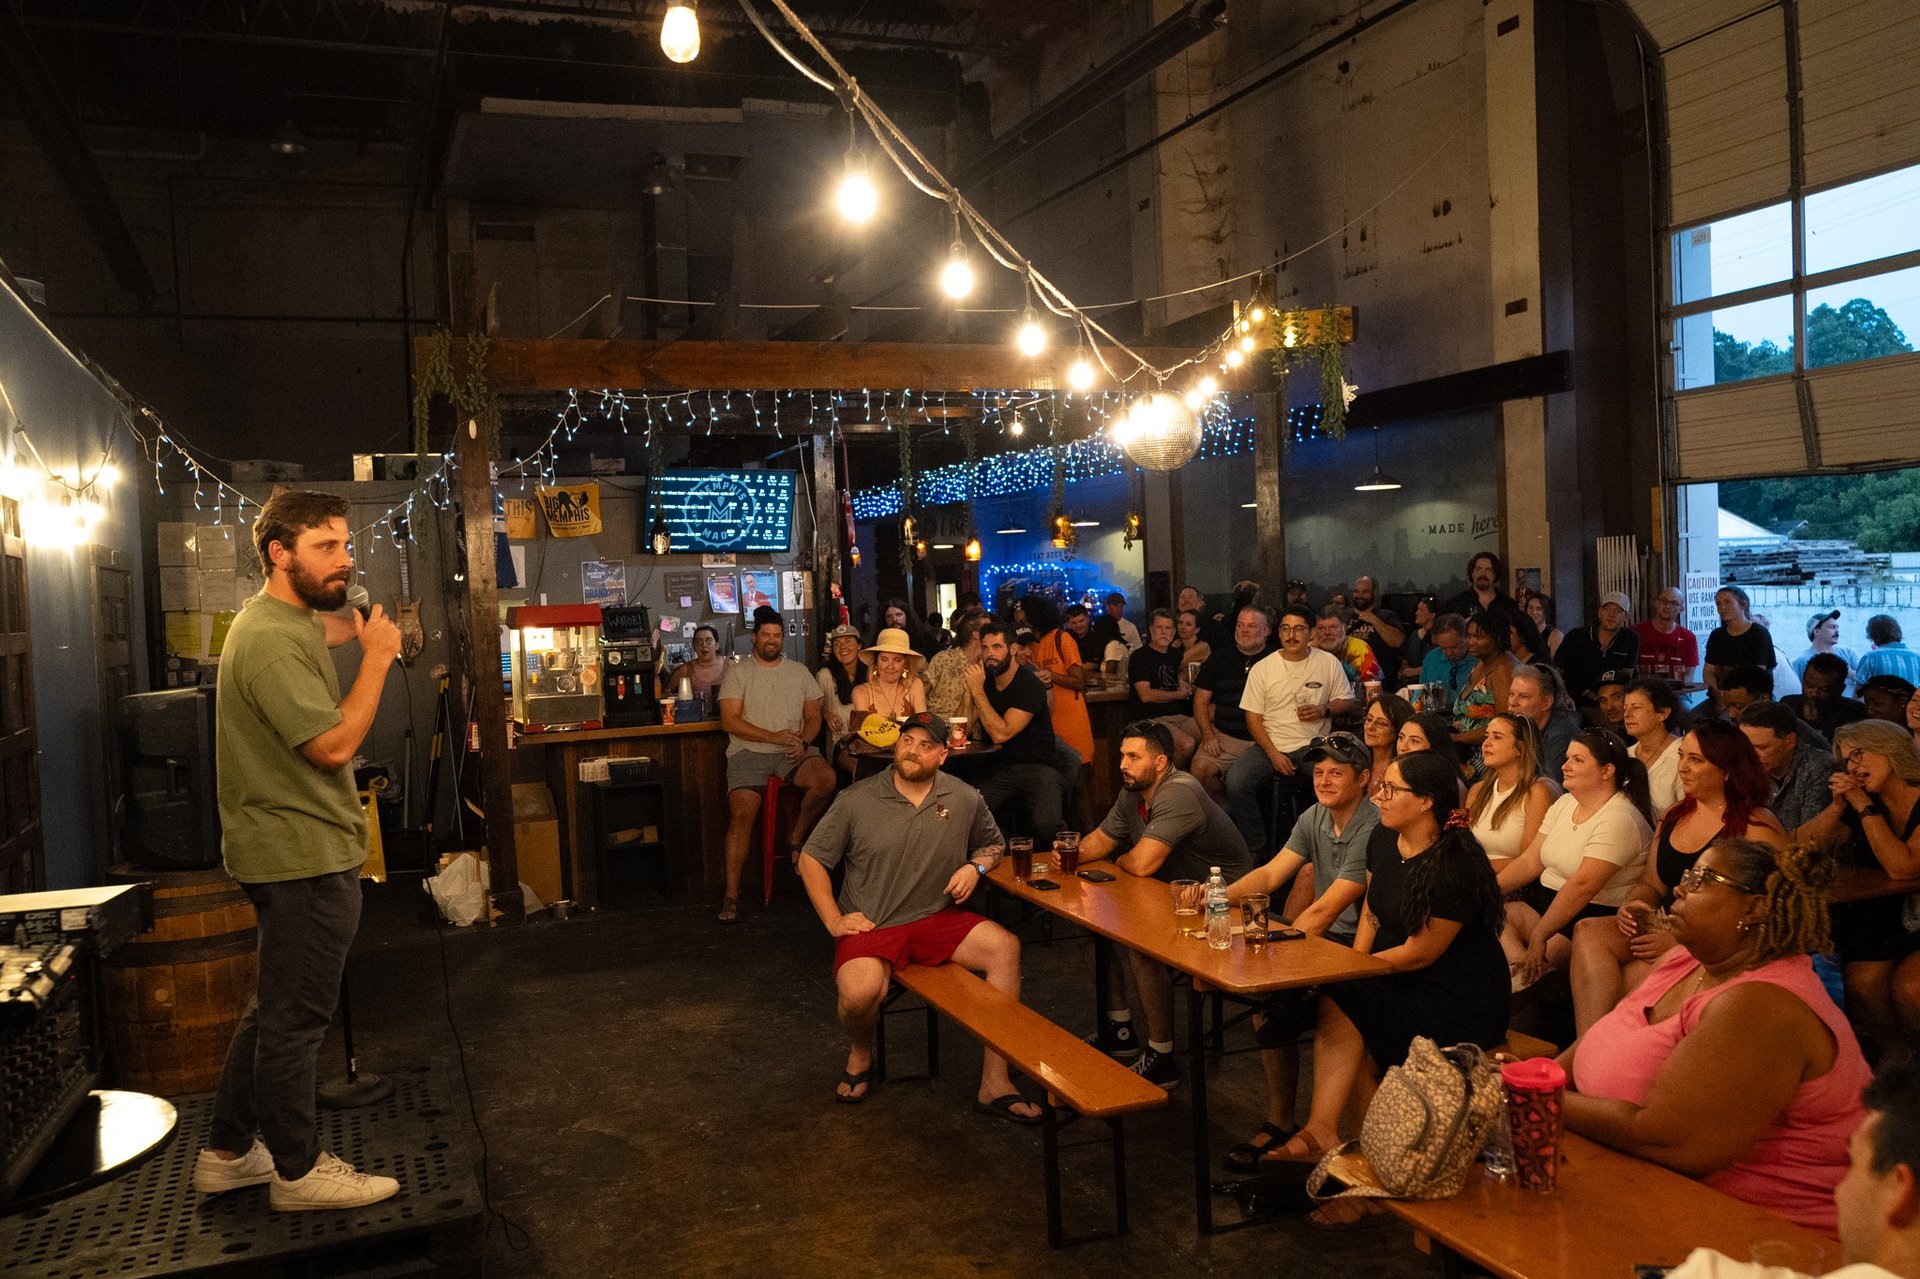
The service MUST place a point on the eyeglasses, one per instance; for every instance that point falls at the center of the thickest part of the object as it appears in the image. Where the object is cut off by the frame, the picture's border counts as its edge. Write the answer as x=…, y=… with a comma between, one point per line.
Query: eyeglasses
x=1387, y=789
x=1697, y=876
x=1855, y=757
x=1295, y=630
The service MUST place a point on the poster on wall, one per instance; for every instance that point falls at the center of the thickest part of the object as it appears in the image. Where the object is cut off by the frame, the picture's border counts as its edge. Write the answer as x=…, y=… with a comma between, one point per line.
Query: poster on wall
x=683, y=589
x=758, y=589
x=603, y=582
x=794, y=590
x=723, y=594
x=572, y=510
x=519, y=519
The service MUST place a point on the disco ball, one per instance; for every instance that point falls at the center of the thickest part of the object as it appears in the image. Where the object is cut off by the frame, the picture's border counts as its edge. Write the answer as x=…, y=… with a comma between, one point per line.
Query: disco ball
x=1162, y=432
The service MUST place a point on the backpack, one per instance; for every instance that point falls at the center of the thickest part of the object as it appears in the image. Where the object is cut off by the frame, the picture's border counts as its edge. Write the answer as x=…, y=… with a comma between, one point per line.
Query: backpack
x=1426, y=1125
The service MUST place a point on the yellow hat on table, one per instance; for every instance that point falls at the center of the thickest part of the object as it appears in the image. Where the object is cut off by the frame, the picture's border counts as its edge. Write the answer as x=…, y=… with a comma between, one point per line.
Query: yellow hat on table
x=879, y=731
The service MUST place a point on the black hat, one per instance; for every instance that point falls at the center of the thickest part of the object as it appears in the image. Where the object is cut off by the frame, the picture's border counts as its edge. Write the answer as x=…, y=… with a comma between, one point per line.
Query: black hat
x=1888, y=684
x=1341, y=748
x=1616, y=675
x=929, y=723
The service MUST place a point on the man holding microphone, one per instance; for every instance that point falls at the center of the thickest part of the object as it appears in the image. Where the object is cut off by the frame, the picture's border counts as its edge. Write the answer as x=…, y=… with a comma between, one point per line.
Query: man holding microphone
x=294, y=836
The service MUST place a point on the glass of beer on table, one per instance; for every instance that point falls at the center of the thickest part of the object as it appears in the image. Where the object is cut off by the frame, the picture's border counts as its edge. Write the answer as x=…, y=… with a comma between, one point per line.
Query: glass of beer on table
x=1066, y=847
x=1021, y=849
x=1255, y=920
x=1187, y=896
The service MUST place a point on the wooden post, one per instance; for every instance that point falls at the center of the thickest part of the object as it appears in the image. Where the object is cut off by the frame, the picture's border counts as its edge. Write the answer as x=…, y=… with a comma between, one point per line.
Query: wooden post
x=828, y=554
x=474, y=449
x=1269, y=519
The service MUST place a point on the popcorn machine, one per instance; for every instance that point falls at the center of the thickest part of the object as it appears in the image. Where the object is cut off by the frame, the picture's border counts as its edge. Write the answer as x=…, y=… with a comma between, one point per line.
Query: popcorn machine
x=554, y=661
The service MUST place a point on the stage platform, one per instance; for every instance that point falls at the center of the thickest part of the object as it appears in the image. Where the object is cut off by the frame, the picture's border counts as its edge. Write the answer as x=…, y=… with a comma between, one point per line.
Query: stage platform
x=151, y=1222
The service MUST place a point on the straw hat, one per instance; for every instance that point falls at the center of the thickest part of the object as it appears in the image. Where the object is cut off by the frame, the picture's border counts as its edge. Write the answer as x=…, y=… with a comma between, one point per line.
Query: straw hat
x=894, y=640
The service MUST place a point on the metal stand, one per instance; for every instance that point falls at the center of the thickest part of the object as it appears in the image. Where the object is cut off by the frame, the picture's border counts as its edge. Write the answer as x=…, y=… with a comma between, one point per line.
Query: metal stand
x=356, y=1089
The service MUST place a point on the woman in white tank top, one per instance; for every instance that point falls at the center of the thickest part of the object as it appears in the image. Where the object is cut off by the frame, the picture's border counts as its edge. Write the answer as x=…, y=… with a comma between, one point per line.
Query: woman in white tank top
x=1510, y=799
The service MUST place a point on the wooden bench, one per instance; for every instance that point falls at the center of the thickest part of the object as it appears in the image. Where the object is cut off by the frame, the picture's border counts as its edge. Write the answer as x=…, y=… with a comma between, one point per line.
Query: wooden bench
x=1069, y=1071
x=1611, y=1211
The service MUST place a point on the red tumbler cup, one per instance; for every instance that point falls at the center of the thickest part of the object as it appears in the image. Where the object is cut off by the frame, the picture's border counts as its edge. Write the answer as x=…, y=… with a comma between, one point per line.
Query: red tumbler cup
x=1535, y=1089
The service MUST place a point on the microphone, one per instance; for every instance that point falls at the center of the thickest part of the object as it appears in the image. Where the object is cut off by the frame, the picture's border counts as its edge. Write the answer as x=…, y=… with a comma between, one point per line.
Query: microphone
x=361, y=601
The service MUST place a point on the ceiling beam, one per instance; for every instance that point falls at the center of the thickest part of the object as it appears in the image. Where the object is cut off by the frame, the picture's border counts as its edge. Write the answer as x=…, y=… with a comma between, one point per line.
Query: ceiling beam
x=59, y=137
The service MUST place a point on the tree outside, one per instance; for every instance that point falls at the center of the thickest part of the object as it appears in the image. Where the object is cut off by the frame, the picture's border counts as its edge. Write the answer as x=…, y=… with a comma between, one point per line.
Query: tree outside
x=1858, y=330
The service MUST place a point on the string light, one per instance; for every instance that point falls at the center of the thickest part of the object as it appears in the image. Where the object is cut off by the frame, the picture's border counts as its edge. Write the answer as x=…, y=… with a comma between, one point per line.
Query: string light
x=956, y=277
x=858, y=199
x=1032, y=339
x=680, y=32
x=1080, y=374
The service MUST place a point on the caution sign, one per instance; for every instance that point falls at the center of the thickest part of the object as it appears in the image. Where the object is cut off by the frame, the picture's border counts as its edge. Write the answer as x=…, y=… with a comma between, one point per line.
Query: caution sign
x=572, y=510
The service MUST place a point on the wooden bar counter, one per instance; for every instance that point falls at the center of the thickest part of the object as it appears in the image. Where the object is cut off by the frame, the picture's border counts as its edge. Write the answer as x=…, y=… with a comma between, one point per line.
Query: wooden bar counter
x=689, y=758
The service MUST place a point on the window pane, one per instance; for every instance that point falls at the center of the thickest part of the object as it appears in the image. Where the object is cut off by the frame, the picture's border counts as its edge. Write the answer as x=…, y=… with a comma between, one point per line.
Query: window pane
x=1861, y=221
x=1734, y=343
x=1732, y=254
x=1863, y=319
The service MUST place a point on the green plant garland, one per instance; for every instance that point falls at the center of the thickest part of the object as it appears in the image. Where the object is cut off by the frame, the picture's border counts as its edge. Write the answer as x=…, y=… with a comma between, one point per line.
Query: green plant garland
x=469, y=391
x=1325, y=349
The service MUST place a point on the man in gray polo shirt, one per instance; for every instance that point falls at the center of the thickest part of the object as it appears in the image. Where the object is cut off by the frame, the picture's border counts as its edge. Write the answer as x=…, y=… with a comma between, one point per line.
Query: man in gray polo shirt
x=1165, y=826
x=1330, y=837
x=770, y=708
x=916, y=843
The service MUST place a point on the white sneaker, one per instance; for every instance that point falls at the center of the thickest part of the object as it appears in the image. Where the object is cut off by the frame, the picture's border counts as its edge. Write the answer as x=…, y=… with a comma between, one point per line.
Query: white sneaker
x=213, y=1175
x=331, y=1183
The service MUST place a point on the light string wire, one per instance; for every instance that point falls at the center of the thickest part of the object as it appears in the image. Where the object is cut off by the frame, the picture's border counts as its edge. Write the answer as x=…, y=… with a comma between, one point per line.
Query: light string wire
x=925, y=176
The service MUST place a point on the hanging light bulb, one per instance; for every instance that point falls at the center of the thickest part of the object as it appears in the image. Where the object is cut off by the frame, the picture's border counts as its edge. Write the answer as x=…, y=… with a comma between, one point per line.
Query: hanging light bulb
x=1256, y=313
x=956, y=277
x=1208, y=385
x=973, y=550
x=1032, y=339
x=680, y=32
x=1080, y=373
x=920, y=549
x=853, y=554
x=1246, y=343
x=857, y=198
x=1235, y=358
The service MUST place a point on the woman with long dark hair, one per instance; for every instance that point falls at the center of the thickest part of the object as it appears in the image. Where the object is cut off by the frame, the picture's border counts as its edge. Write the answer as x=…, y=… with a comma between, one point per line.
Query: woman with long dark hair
x=1724, y=789
x=1489, y=638
x=838, y=676
x=895, y=615
x=1586, y=858
x=1380, y=728
x=1512, y=797
x=1433, y=913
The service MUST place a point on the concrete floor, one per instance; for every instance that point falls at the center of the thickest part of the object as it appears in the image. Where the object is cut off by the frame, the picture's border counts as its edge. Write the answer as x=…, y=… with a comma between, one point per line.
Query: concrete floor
x=655, y=1094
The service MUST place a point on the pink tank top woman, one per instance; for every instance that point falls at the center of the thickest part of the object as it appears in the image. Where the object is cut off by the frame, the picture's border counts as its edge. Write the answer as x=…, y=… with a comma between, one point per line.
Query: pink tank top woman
x=1795, y=1165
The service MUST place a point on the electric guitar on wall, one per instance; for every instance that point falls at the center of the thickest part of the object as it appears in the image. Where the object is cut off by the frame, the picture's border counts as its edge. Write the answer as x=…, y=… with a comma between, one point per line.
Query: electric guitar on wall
x=406, y=614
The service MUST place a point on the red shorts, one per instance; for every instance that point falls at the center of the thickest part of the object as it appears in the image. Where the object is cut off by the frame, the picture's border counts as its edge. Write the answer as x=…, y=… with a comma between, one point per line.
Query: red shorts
x=930, y=941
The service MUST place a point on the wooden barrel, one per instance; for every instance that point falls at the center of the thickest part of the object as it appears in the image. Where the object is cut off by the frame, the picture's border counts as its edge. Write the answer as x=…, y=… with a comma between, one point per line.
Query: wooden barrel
x=176, y=992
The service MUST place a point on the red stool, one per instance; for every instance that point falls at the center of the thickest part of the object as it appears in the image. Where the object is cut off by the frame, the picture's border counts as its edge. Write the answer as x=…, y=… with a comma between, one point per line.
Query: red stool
x=769, y=826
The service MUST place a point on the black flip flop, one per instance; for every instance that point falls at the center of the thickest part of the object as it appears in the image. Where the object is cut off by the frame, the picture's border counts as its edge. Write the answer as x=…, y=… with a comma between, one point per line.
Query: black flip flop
x=854, y=1081
x=1001, y=1107
x=1245, y=1157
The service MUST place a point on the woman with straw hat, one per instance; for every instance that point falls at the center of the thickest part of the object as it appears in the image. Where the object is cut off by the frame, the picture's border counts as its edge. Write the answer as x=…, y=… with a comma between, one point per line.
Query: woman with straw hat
x=894, y=687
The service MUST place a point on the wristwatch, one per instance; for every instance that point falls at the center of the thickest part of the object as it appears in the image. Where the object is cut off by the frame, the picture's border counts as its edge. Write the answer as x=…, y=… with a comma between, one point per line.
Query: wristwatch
x=978, y=868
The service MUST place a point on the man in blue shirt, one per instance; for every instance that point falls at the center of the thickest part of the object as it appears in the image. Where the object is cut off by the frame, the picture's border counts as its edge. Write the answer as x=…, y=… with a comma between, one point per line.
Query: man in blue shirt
x=1889, y=655
x=1448, y=663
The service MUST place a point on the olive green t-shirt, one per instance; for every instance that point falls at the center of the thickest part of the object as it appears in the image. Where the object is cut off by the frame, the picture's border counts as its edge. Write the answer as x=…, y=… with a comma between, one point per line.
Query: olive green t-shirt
x=280, y=817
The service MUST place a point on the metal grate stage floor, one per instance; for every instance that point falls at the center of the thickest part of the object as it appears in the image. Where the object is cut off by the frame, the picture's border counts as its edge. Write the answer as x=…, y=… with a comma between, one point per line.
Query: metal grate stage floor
x=151, y=1222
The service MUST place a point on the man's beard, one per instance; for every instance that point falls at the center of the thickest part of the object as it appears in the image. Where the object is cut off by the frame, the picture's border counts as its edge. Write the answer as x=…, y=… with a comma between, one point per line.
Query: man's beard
x=910, y=767
x=325, y=596
x=1136, y=784
x=997, y=669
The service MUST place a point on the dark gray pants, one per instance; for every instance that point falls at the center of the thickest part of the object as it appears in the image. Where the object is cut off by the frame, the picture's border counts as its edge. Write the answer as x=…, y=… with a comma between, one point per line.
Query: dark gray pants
x=267, y=1086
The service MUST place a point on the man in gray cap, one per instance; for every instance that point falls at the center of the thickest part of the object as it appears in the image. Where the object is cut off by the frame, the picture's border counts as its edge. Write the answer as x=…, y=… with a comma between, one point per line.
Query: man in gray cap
x=1608, y=643
x=1823, y=636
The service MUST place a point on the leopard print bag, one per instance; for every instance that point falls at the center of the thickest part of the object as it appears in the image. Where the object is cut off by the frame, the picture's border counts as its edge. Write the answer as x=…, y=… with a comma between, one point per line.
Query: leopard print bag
x=1426, y=1125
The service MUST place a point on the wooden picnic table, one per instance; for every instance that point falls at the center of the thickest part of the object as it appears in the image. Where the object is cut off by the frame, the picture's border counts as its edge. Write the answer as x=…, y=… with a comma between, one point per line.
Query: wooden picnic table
x=1610, y=1212
x=1859, y=883
x=1138, y=913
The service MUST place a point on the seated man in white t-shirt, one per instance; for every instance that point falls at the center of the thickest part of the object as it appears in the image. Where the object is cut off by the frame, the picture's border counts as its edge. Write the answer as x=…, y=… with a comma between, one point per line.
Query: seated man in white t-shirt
x=1290, y=700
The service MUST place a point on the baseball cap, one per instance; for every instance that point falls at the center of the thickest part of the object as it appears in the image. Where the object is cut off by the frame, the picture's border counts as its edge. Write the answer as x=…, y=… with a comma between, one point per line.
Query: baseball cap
x=1620, y=598
x=1888, y=684
x=929, y=723
x=1813, y=623
x=1616, y=675
x=1341, y=748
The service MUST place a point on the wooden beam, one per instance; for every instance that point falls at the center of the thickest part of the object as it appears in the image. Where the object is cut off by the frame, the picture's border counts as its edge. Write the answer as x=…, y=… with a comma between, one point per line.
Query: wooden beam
x=474, y=447
x=520, y=366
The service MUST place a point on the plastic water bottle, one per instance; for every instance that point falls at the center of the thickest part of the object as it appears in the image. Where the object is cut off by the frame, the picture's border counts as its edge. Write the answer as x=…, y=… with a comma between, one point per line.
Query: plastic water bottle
x=1497, y=1154
x=1219, y=923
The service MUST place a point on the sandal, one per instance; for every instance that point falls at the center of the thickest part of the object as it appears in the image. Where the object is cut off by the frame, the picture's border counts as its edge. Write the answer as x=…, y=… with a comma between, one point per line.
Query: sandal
x=729, y=910
x=1245, y=1157
x=852, y=1080
x=1279, y=1154
x=1001, y=1107
x=1349, y=1214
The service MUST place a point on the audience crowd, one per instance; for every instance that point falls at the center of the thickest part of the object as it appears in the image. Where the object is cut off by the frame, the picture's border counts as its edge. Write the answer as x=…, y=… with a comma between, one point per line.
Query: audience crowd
x=1614, y=820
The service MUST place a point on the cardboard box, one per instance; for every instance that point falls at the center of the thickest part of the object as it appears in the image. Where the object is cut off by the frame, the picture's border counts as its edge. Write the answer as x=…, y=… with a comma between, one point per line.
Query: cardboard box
x=536, y=840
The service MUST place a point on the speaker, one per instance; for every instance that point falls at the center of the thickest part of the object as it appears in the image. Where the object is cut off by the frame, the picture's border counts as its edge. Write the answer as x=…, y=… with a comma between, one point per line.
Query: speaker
x=173, y=808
